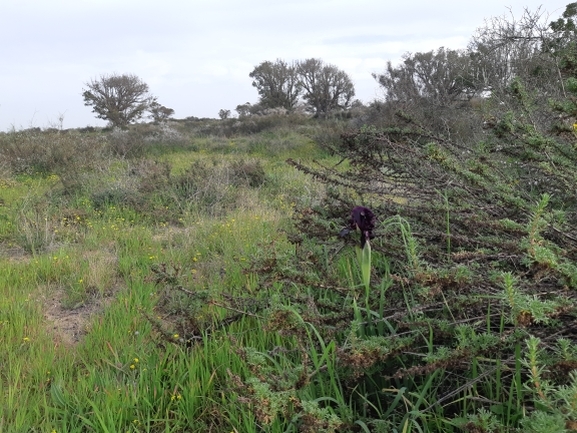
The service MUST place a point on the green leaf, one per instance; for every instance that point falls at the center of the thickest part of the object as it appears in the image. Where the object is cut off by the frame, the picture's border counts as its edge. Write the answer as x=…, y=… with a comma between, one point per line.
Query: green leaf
x=364, y=258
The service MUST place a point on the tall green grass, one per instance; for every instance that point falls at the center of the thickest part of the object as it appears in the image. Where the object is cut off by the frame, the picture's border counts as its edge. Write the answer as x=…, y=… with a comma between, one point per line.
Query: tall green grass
x=89, y=244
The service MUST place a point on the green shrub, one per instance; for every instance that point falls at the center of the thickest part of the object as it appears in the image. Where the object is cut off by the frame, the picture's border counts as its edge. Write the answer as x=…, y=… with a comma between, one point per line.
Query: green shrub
x=69, y=155
x=247, y=173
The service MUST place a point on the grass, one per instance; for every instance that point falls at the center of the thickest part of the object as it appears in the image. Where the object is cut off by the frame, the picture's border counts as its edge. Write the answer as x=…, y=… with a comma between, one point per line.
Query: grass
x=171, y=289
x=72, y=249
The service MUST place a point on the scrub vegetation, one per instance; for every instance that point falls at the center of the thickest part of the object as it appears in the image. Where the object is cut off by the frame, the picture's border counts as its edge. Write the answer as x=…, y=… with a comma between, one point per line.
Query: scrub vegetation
x=410, y=266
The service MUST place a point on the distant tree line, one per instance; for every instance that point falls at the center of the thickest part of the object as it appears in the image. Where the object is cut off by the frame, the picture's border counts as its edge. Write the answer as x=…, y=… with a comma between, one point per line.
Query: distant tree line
x=320, y=87
x=504, y=53
x=461, y=91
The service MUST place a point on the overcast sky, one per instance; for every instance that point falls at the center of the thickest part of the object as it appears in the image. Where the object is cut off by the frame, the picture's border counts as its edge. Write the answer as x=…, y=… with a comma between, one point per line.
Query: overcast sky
x=196, y=55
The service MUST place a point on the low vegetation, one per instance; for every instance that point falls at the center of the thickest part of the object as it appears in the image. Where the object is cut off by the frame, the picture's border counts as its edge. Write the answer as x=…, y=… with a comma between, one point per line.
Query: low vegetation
x=210, y=275
x=162, y=279
x=93, y=227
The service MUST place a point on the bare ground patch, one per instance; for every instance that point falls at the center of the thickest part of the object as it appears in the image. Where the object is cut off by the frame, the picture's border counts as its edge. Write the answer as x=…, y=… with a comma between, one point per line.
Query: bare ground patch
x=69, y=324
x=13, y=253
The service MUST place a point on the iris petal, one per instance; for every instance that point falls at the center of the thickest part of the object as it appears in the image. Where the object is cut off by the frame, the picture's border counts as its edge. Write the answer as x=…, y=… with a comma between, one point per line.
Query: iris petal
x=364, y=219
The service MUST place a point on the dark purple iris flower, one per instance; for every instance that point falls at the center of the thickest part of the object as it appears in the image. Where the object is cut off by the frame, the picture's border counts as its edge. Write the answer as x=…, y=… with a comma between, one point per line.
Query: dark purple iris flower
x=364, y=219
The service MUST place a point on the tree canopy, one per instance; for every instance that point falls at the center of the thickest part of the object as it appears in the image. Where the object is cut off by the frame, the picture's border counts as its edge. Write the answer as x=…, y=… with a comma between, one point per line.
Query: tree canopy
x=326, y=88
x=320, y=87
x=442, y=76
x=277, y=84
x=120, y=99
x=158, y=112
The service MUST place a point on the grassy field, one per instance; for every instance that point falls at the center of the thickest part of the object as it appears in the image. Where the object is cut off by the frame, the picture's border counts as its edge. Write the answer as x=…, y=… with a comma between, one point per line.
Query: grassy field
x=90, y=341
x=186, y=278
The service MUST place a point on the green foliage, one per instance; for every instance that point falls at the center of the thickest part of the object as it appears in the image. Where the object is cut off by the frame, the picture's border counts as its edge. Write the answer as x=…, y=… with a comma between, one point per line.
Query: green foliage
x=364, y=260
x=84, y=346
x=120, y=99
x=540, y=422
x=159, y=113
x=277, y=84
x=182, y=277
x=435, y=75
x=68, y=155
x=555, y=403
x=484, y=259
x=485, y=421
x=323, y=88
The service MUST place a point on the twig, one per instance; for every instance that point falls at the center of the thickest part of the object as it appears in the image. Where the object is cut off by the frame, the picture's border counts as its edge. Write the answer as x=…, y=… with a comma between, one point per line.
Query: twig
x=241, y=312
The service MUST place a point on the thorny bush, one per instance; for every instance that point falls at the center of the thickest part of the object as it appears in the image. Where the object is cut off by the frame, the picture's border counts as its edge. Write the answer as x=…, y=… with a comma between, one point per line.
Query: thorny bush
x=481, y=247
x=472, y=289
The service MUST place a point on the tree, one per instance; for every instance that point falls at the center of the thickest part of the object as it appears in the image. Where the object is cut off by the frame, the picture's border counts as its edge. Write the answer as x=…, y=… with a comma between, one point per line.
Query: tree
x=562, y=43
x=325, y=87
x=224, y=114
x=277, y=84
x=521, y=60
x=507, y=47
x=120, y=99
x=159, y=113
x=243, y=110
x=432, y=89
x=441, y=77
x=509, y=63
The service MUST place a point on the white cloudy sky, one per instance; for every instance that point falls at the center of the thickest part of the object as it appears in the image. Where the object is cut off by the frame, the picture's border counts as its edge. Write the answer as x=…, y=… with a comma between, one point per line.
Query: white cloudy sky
x=196, y=54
